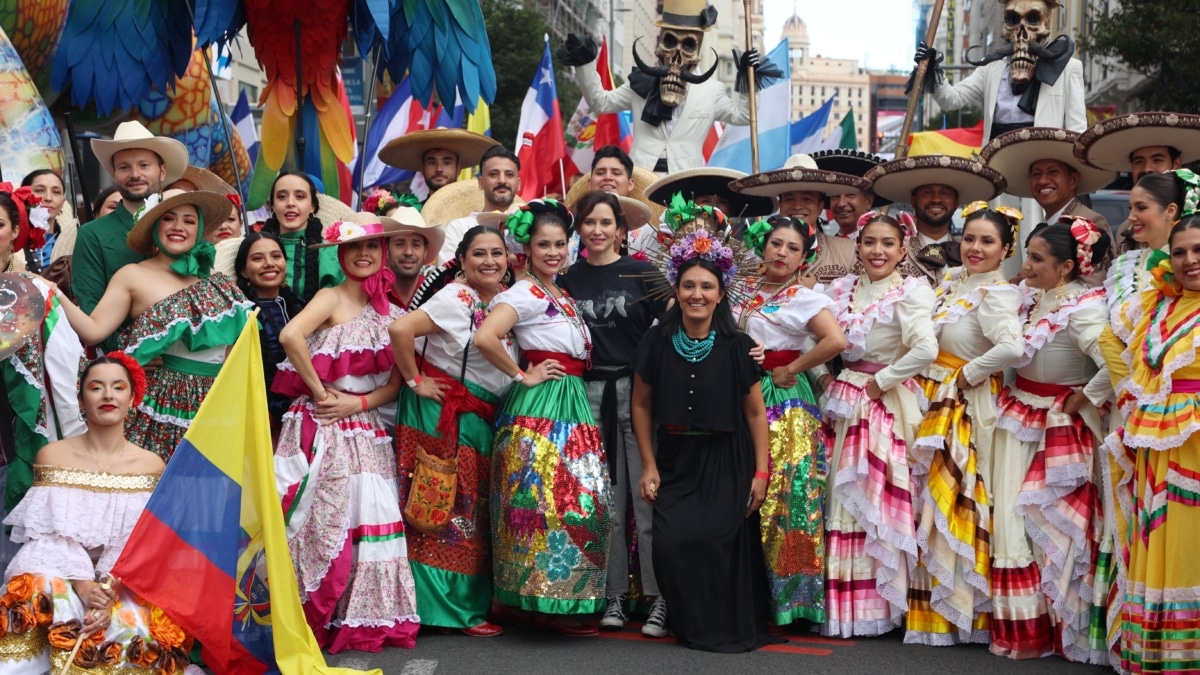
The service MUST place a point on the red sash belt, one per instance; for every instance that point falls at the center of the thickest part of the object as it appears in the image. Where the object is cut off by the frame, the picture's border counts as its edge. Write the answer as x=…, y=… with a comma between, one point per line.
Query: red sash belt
x=457, y=400
x=868, y=367
x=773, y=358
x=1180, y=386
x=1043, y=388
x=570, y=364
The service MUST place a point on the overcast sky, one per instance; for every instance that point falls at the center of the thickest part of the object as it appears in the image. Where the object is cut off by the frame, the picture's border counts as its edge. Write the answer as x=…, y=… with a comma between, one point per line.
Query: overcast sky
x=879, y=33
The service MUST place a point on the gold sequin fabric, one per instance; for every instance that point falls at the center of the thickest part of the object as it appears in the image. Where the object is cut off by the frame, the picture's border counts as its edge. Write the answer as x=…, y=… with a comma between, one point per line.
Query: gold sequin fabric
x=95, y=481
x=22, y=646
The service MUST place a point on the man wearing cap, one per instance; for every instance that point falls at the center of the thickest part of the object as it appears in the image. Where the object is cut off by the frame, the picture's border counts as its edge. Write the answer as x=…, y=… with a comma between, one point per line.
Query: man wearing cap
x=1141, y=143
x=140, y=163
x=438, y=154
x=500, y=180
x=935, y=186
x=849, y=207
x=802, y=188
x=410, y=253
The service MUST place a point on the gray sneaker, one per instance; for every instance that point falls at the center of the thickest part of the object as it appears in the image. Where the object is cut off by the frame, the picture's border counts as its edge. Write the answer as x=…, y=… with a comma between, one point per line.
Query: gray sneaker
x=656, y=623
x=614, y=616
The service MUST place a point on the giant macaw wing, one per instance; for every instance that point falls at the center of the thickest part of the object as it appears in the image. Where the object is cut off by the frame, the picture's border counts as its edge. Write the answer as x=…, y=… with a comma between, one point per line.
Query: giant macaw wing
x=371, y=20
x=443, y=44
x=114, y=52
x=218, y=21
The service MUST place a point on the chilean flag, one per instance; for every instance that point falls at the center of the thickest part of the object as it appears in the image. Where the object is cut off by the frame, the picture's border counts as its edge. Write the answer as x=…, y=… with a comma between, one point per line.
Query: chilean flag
x=540, y=144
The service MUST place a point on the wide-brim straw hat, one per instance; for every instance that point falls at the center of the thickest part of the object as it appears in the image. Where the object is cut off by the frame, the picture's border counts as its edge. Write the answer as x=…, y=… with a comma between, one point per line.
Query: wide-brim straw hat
x=1109, y=143
x=1014, y=152
x=852, y=162
x=226, y=258
x=206, y=180
x=213, y=207
x=457, y=200
x=411, y=220
x=972, y=180
x=642, y=179
x=370, y=226
x=331, y=209
x=711, y=180
x=133, y=135
x=408, y=151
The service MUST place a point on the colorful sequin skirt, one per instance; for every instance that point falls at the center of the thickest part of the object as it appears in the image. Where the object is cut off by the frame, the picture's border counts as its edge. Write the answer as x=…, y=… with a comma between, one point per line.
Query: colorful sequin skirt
x=792, y=517
x=452, y=569
x=173, y=397
x=341, y=504
x=949, y=595
x=550, y=501
x=869, y=521
x=1047, y=525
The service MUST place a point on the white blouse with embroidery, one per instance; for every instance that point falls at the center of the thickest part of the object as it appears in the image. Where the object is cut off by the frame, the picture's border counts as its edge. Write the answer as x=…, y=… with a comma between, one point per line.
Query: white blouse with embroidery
x=544, y=323
x=978, y=320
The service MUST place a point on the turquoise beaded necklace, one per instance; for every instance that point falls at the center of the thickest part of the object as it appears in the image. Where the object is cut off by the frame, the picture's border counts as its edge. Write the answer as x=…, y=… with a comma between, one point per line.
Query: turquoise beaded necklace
x=691, y=349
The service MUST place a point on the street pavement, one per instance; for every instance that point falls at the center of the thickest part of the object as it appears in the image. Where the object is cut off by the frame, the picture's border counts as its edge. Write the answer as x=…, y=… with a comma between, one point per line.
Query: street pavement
x=526, y=651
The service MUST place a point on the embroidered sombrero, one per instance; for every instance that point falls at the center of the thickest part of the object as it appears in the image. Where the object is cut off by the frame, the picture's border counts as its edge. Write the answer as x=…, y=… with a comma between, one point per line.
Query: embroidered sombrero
x=799, y=174
x=852, y=162
x=711, y=180
x=1109, y=143
x=896, y=180
x=1014, y=152
x=214, y=207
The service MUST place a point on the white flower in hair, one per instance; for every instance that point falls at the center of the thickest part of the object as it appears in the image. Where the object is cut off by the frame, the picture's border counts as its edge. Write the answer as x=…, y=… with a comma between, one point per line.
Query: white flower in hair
x=152, y=201
x=39, y=217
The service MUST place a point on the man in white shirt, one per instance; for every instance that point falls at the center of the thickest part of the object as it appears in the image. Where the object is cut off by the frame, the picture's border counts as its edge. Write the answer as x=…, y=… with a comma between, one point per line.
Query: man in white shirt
x=500, y=181
x=437, y=154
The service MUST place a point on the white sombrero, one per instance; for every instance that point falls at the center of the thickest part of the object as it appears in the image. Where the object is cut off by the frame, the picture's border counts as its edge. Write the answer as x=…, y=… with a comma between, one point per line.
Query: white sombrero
x=1109, y=143
x=133, y=135
x=1014, y=152
x=972, y=180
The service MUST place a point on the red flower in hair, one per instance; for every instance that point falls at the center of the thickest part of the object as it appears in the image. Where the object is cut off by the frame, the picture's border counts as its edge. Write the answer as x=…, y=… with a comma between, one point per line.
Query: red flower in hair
x=25, y=200
x=237, y=201
x=136, y=374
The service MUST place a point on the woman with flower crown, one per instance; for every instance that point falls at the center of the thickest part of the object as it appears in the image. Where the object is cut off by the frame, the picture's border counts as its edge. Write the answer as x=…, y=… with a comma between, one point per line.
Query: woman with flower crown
x=1047, y=517
x=550, y=493
x=979, y=334
x=334, y=463
x=88, y=492
x=180, y=311
x=873, y=411
x=786, y=317
x=701, y=428
x=1158, y=622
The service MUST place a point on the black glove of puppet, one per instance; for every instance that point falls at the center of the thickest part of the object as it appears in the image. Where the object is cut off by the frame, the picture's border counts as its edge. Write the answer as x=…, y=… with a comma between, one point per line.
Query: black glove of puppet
x=765, y=72
x=934, y=75
x=576, y=51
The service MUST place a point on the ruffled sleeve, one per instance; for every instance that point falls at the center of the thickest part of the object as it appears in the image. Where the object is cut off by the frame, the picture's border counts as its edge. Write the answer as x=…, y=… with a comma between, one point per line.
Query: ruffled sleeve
x=794, y=315
x=450, y=309
x=209, y=313
x=999, y=316
x=523, y=301
x=915, y=316
x=1085, y=328
x=1111, y=347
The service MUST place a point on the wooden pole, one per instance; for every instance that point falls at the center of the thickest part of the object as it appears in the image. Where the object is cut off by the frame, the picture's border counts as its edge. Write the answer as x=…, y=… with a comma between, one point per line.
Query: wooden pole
x=752, y=94
x=918, y=82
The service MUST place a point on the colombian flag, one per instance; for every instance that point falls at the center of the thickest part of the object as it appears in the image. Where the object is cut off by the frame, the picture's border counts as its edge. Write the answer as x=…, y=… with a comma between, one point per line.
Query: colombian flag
x=212, y=535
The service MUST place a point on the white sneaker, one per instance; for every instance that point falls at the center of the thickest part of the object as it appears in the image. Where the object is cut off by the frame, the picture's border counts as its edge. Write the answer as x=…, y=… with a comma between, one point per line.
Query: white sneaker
x=656, y=623
x=614, y=616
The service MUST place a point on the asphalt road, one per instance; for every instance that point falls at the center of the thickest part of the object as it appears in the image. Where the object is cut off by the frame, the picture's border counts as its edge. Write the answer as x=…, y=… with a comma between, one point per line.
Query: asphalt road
x=527, y=651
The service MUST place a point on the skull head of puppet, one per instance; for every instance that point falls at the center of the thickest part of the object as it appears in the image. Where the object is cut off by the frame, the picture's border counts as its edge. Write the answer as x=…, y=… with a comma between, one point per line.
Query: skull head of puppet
x=678, y=52
x=1026, y=22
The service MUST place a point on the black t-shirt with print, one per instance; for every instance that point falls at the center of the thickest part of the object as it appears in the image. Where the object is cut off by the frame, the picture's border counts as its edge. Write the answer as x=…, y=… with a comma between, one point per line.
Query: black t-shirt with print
x=615, y=301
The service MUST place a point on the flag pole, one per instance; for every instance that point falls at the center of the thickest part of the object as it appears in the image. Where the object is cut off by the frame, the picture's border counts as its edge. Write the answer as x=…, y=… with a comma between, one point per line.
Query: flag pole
x=752, y=94
x=368, y=105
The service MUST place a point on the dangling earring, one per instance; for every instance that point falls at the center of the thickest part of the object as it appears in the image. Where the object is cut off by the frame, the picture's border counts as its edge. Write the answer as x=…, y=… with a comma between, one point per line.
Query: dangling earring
x=82, y=415
x=1062, y=281
x=461, y=278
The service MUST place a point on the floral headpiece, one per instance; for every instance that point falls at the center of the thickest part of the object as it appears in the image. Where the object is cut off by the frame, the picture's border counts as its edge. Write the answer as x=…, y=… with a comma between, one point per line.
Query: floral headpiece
x=1158, y=263
x=1011, y=215
x=235, y=200
x=137, y=376
x=1191, y=192
x=1086, y=235
x=682, y=211
x=519, y=226
x=705, y=245
x=759, y=231
x=33, y=219
x=381, y=201
x=902, y=217
x=343, y=231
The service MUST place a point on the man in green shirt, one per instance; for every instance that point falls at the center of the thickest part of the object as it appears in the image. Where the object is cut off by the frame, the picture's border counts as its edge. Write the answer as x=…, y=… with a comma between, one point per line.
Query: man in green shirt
x=140, y=163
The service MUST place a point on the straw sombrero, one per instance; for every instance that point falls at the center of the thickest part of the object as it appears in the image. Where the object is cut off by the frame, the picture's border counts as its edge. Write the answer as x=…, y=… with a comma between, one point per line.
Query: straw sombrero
x=132, y=135
x=973, y=181
x=206, y=180
x=213, y=207
x=642, y=179
x=799, y=174
x=226, y=258
x=331, y=209
x=852, y=162
x=1109, y=143
x=410, y=220
x=1014, y=152
x=711, y=180
x=359, y=226
x=408, y=151
x=457, y=200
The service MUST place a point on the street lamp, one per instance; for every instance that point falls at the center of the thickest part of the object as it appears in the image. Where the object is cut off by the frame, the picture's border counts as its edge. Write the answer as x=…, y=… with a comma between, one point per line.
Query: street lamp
x=612, y=27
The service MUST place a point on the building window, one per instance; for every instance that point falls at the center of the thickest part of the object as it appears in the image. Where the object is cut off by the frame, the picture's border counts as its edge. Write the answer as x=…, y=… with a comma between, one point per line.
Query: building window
x=251, y=91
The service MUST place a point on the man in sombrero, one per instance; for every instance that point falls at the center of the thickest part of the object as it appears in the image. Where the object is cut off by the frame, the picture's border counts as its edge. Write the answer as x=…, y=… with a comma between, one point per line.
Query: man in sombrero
x=437, y=154
x=140, y=164
x=1141, y=143
x=848, y=208
x=1040, y=164
x=935, y=186
x=802, y=189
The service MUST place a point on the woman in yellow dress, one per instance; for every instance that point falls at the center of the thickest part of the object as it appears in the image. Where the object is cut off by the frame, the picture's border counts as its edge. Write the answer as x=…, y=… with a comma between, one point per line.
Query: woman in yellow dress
x=1158, y=485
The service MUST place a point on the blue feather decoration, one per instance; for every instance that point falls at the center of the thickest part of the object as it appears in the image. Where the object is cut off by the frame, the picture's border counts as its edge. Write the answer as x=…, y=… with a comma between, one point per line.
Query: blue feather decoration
x=442, y=44
x=218, y=21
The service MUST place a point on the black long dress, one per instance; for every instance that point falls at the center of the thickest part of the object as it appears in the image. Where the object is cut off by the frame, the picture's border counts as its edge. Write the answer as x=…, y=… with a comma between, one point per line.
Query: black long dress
x=707, y=554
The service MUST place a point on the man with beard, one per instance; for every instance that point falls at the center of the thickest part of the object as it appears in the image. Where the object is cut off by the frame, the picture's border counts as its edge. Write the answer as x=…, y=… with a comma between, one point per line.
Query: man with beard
x=410, y=254
x=500, y=180
x=140, y=164
x=1141, y=143
x=438, y=154
x=848, y=208
x=934, y=185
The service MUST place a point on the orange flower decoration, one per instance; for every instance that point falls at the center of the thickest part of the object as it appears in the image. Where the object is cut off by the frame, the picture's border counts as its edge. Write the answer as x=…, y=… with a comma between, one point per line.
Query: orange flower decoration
x=43, y=609
x=21, y=619
x=110, y=653
x=165, y=631
x=20, y=589
x=702, y=245
x=141, y=653
x=3, y=622
x=63, y=636
x=88, y=656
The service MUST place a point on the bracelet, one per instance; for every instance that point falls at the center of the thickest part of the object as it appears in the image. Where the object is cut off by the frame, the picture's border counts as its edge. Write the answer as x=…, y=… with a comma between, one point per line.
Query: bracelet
x=762, y=475
x=412, y=384
x=519, y=376
x=364, y=402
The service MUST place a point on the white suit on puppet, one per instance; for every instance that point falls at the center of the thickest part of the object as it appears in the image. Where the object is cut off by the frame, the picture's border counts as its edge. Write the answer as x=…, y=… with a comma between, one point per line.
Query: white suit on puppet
x=1031, y=81
x=674, y=106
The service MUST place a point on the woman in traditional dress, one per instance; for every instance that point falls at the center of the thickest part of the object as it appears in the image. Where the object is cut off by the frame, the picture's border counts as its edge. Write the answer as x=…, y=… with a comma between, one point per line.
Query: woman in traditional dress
x=783, y=315
x=445, y=418
x=88, y=493
x=979, y=334
x=874, y=412
x=47, y=185
x=697, y=385
x=334, y=463
x=1047, y=516
x=550, y=494
x=298, y=215
x=1158, y=623
x=180, y=312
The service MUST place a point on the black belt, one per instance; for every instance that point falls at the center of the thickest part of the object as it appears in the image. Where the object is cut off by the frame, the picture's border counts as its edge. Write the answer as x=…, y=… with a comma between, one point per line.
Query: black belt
x=608, y=409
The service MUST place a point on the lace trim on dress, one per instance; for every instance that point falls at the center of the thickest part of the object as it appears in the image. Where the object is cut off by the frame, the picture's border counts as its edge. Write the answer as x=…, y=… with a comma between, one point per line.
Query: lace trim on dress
x=1177, y=356
x=858, y=325
x=95, y=481
x=951, y=307
x=1043, y=331
x=1121, y=286
x=25, y=373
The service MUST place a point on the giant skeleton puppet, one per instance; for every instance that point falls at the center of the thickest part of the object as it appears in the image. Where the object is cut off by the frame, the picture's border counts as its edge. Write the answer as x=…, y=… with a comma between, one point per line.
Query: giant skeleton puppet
x=1031, y=81
x=673, y=103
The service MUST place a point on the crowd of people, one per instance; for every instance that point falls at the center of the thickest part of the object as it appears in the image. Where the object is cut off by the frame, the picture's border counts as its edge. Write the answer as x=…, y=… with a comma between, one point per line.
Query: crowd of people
x=678, y=398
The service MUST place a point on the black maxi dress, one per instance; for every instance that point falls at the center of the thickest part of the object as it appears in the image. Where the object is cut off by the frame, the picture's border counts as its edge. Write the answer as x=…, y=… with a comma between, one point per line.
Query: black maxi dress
x=707, y=554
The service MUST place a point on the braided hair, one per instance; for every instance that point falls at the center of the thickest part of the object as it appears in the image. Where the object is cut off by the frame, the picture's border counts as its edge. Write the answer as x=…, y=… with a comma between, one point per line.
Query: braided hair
x=312, y=235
